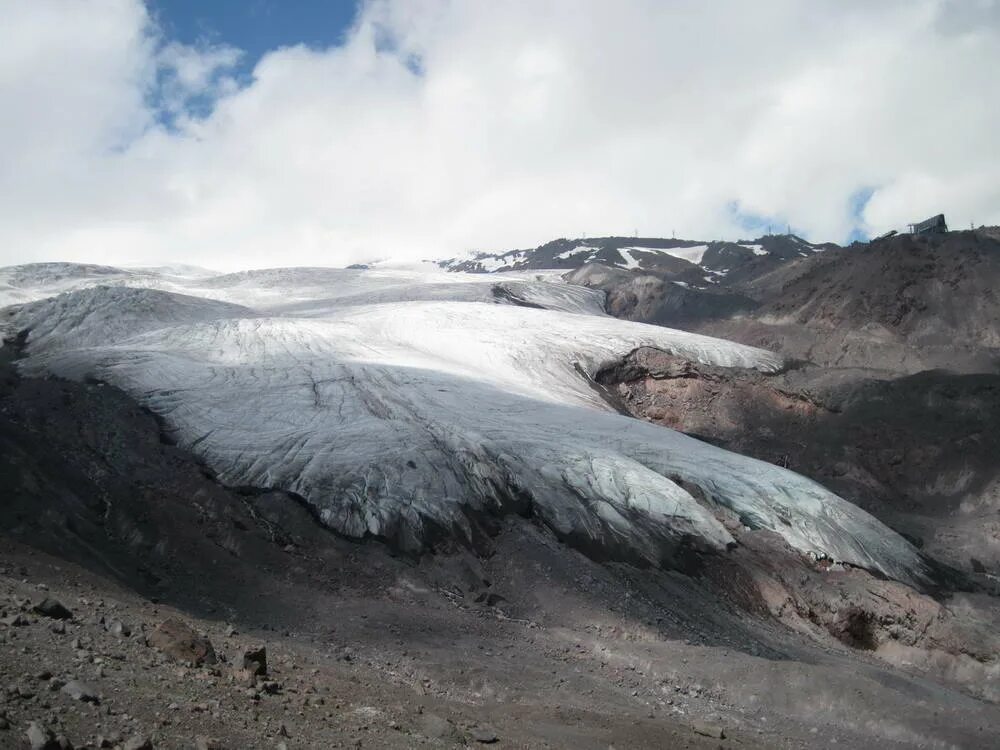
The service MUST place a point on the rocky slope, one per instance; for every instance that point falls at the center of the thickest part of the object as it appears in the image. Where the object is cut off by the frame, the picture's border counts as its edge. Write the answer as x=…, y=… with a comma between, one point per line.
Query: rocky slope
x=900, y=305
x=654, y=299
x=904, y=304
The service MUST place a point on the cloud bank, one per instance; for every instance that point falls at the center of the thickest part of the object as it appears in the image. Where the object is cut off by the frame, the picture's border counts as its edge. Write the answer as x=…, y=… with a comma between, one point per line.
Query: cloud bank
x=437, y=126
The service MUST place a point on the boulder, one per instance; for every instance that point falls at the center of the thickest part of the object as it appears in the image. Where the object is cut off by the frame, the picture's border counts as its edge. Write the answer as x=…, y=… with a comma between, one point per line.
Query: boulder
x=53, y=608
x=40, y=738
x=707, y=729
x=484, y=735
x=179, y=641
x=255, y=660
x=489, y=599
x=436, y=727
x=80, y=691
x=243, y=677
x=118, y=628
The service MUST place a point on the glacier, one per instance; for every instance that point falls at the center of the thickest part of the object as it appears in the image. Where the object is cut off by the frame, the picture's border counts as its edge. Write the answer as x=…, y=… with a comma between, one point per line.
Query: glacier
x=411, y=404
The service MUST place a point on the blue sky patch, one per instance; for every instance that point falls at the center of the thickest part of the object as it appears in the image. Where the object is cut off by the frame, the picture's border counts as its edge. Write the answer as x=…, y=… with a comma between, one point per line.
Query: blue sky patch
x=856, y=205
x=255, y=26
x=756, y=225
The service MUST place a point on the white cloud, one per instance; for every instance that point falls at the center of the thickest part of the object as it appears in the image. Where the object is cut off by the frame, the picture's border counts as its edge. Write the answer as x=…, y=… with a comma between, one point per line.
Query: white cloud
x=188, y=75
x=440, y=126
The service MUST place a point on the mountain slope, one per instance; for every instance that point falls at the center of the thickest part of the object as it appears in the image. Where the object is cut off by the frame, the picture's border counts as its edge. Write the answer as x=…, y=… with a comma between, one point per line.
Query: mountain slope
x=406, y=420
x=471, y=431
x=899, y=305
x=904, y=304
x=701, y=264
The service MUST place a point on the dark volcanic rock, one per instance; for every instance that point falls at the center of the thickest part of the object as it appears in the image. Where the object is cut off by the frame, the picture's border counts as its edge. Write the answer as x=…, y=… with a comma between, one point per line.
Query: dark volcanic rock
x=53, y=608
x=648, y=298
x=904, y=305
x=255, y=660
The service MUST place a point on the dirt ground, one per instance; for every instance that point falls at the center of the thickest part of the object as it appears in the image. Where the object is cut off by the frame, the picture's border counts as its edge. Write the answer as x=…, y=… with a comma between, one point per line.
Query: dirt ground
x=409, y=666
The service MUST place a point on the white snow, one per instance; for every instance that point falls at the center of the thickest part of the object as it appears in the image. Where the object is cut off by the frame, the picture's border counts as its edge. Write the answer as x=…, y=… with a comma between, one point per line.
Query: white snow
x=391, y=400
x=630, y=262
x=492, y=263
x=808, y=245
x=690, y=254
x=757, y=249
x=566, y=254
x=181, y=270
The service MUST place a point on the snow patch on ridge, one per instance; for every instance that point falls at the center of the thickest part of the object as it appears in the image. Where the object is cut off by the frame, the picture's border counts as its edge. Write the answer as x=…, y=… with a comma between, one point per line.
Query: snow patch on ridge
x=566, y=254
x=690, y=254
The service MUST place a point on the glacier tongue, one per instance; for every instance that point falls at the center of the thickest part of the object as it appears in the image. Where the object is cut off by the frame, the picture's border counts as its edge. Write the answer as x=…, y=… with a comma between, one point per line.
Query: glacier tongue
x=404, y=405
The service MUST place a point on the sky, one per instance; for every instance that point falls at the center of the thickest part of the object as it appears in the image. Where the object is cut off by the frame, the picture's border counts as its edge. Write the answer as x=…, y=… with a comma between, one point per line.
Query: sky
x=299, y=132
x=255, y=27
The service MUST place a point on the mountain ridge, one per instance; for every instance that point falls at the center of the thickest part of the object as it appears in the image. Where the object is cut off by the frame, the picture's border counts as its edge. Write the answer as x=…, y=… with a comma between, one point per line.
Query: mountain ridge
x=699, y=263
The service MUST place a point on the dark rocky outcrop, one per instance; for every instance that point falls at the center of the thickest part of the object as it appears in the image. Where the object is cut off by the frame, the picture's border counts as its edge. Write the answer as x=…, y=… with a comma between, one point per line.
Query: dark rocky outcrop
x=653, y=299
x=901, y=305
